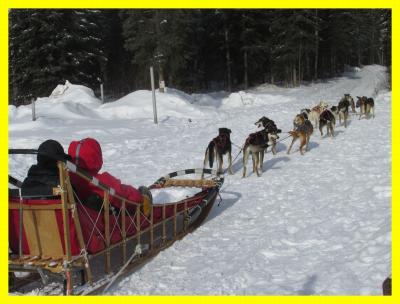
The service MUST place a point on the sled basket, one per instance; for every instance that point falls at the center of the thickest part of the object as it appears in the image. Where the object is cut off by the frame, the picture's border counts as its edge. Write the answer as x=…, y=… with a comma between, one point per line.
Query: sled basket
x=59, y=238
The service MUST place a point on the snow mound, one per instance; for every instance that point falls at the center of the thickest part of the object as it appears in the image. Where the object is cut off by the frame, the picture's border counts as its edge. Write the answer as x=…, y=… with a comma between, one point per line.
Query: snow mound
x=68, y=101
x=73, y=93
x=139, y=104
x=243, y=98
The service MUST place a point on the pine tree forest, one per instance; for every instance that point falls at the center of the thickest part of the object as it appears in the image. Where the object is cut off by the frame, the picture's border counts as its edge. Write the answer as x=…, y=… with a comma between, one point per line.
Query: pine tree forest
x=193, y=50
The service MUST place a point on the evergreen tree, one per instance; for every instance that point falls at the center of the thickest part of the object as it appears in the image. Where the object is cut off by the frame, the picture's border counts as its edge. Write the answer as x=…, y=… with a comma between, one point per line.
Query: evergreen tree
x=255, y=41
x=192, y=50
x=49, y=46
x=157, y=37
x=293, y=38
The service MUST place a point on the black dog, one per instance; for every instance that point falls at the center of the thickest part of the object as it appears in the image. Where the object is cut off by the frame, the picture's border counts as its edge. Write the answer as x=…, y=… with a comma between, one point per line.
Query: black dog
x=268, y=124
x=271, y=128
x=219, y=146
x=327, y=119
x=343, y=110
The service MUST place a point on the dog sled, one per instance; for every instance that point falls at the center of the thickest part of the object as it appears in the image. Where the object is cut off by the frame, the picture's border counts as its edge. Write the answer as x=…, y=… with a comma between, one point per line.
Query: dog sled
x=71, y=248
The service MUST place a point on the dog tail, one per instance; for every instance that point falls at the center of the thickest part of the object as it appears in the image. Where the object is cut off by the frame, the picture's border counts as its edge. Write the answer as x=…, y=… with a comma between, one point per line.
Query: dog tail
x=211, y=153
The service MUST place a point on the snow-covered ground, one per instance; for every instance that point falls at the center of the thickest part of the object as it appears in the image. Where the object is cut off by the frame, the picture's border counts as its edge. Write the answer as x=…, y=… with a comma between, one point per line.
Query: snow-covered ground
x=313, y=224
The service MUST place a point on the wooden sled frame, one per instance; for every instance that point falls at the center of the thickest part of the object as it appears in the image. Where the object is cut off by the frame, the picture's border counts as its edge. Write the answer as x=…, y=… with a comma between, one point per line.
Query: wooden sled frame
x=50, y=254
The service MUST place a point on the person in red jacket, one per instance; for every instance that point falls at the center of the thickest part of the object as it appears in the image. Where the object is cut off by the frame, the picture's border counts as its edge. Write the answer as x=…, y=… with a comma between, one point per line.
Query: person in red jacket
x=87, y=155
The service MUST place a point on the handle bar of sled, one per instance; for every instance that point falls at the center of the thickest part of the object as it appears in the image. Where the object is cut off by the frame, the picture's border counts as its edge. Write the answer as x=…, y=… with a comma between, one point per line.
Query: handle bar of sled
x=35, y=152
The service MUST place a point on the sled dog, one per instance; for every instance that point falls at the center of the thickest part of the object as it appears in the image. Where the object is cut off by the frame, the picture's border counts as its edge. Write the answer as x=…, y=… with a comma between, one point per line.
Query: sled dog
x=305, y=113
x=316, y=111
x=351, y=102
x=218, y=147
x=270, y=126
x=303, y=129
x=335, y=112
x=256, y=144
x=327, y=119
x=343, y=111
x=366, y=105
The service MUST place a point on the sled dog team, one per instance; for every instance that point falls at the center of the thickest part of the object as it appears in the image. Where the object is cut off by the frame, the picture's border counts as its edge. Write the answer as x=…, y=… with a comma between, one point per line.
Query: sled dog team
x=320, y=116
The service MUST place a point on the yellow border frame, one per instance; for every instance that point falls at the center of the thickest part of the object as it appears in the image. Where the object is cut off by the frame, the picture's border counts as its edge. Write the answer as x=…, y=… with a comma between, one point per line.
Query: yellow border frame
x=5, y=5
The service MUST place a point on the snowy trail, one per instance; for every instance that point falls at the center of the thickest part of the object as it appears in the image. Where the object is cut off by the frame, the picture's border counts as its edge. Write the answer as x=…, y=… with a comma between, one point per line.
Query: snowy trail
x=313, y=224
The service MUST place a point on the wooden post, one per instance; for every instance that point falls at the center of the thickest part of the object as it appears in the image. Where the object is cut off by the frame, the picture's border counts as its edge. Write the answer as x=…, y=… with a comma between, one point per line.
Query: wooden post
x=67, y=240
x=78, y=227
x=153, y=90
x=101, y=93
x=21, y=224
x=123, y=208
x=106, y=203
x=33, y=109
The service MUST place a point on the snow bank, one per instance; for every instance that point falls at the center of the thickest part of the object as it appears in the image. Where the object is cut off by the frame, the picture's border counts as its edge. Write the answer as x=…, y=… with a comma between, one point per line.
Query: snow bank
x=139, y=104
x=73, y=93
x=67, y=101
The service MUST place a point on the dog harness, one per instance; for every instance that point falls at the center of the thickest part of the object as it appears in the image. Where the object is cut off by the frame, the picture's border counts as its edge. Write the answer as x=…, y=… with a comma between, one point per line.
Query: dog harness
x=259, y=138
x=326, y=116
x=223, y=143
x=343, y=105
x=306, y=127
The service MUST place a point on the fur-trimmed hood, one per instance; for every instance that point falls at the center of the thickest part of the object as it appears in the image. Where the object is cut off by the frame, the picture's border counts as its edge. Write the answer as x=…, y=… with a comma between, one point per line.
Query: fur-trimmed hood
x=87, y=154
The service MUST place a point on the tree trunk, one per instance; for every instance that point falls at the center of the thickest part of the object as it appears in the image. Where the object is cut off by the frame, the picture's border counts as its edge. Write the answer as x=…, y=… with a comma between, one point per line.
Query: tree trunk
x=307, y=67
x=316, y=35
x=299, y=67
x=358, y=47
x=161, y=80
x=270, y=64
x=294, y=81
x=228, y=57
x=372, y=48
x=246, y=80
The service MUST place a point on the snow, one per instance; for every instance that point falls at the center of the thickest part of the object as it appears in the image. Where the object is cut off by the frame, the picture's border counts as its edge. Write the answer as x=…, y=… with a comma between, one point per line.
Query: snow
x=313, y=224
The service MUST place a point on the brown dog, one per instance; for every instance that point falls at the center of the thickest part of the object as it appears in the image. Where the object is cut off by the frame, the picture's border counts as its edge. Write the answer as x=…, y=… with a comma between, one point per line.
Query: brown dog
x=366, y=105
x=303, y=130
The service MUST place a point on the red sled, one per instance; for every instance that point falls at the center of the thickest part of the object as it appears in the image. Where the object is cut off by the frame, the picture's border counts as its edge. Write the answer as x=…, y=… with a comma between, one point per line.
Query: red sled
x=58, y=237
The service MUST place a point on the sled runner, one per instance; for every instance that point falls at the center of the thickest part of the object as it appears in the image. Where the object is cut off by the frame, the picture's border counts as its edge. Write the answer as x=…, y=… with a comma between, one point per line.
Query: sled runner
x=63, y=240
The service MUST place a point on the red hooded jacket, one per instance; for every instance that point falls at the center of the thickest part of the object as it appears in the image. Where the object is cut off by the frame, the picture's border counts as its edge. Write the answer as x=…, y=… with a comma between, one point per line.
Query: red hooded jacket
x=87, y=155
